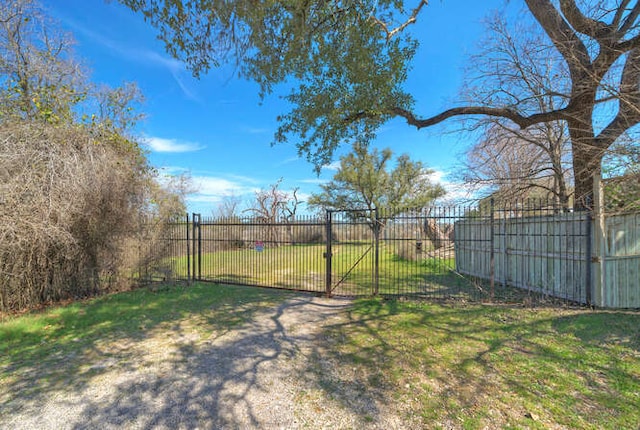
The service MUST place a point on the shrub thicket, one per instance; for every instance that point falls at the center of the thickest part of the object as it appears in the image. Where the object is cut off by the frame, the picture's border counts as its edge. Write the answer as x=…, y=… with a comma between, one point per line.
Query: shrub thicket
x=74, y=186
x=70, y=206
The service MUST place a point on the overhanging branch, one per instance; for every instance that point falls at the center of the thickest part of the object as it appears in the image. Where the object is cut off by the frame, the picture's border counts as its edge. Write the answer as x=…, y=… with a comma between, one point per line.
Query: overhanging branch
x=521, y=120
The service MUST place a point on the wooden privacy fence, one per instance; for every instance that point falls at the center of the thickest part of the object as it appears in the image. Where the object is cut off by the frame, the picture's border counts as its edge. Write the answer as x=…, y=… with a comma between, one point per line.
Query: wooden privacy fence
x=616, y=261
x=584, y=257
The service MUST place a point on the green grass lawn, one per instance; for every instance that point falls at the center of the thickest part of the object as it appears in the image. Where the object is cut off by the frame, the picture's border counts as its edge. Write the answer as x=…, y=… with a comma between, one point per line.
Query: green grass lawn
x=441, y=365
x=498, y=367
x=302, y=267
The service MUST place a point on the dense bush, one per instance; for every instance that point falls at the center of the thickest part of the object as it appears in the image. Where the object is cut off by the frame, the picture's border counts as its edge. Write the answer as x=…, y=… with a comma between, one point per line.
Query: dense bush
x=76, y=191
x=70, y=206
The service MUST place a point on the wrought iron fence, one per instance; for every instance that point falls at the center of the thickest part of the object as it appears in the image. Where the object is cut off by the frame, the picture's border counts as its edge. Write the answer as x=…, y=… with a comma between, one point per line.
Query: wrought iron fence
x=485, y=252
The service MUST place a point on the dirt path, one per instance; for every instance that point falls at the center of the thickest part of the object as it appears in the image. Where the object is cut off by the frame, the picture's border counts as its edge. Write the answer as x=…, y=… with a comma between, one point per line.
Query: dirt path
x=269, y=373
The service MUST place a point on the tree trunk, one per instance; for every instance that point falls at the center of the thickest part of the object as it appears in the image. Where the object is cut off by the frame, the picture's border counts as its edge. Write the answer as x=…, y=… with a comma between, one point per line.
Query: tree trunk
x=586, y=162
x=435, y=234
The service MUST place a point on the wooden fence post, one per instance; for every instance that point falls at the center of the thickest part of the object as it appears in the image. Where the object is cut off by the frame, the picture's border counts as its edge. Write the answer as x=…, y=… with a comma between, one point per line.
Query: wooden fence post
x=599, y=243
x=492, y=262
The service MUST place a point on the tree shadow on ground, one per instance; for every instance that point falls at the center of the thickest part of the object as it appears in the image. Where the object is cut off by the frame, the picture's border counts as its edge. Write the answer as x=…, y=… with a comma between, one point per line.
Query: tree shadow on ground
x=88, y=341
x=451, y=365
x=253, y=377
x=300, y=361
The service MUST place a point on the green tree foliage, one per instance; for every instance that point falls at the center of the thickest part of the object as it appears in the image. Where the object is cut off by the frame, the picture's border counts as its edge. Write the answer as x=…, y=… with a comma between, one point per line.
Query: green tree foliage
x=345, y=56
x=350, y=59
x=366, y=180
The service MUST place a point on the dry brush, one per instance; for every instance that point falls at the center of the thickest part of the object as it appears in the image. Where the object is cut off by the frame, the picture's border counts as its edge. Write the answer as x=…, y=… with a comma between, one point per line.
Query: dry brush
x=70, y=208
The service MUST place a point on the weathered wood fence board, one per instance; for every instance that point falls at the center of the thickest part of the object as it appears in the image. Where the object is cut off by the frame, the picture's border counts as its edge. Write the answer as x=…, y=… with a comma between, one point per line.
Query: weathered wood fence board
x=545, y=254
x=556, y=255
x=620, y=282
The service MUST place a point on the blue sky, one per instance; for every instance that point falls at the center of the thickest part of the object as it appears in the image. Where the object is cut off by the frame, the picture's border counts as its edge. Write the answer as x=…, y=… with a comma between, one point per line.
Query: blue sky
x=216, y=129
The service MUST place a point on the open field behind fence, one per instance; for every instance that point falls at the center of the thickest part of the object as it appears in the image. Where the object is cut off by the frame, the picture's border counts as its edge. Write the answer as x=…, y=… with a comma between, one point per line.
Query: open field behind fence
x=507, y=254
x=302, y=267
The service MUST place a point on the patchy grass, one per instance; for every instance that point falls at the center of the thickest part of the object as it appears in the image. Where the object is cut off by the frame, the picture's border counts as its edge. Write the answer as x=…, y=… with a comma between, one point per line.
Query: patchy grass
x=45, y=350
x=438, y=365
x=487, y=367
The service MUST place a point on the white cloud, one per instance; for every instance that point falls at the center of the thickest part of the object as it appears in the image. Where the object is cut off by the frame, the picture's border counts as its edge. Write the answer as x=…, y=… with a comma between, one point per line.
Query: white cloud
x=332, y=166
x=438, y=176
x=211, y=190
x=456, y=191
x=218, y=188
x=256, y=130
x=176, y=68
x=287, y=161
x=159, y=144
x=173, y=170
x=314, y=181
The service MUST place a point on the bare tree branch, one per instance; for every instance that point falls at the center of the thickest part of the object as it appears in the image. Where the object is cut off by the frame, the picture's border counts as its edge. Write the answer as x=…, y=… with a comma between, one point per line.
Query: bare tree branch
x=411, y=20
x=582, y=24
x=630, y=20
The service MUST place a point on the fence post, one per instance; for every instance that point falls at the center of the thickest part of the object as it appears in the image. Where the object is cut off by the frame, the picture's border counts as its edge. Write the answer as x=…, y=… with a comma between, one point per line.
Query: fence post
x=199, y=248
x=327, y=254
x=598, y=258
x=376, y=265
x=194, y=243
x=492, y=262
x=589, y=258
x=188, y=252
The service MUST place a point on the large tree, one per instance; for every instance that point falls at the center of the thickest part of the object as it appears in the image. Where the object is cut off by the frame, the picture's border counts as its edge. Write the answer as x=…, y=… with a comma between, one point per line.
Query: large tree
x=350, y=59
x=369, y=180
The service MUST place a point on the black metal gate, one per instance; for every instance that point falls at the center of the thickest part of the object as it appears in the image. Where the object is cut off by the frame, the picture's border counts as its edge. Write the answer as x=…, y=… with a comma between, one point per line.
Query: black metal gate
x=351, y=255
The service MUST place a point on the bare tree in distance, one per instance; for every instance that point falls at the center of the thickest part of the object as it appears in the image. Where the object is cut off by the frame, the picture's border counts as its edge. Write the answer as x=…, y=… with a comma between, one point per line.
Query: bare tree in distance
x=271, y=206
x=228, y=208
x=41, y=79
x=514, y=164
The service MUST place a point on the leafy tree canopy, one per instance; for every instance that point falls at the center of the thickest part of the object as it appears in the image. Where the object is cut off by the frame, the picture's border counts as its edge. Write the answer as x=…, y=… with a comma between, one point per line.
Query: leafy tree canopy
x=365, y=180
x=350, y=59
x=348, y=56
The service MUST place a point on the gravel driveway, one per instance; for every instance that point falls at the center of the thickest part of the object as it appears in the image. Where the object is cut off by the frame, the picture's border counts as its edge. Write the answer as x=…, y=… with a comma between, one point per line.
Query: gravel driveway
x=272, y=372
